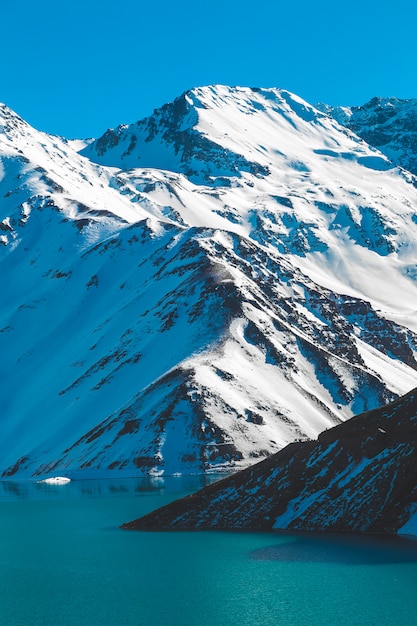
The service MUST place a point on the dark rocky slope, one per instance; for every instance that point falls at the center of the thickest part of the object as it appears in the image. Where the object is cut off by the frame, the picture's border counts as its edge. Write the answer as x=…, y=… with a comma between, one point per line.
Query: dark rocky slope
x=359, y=476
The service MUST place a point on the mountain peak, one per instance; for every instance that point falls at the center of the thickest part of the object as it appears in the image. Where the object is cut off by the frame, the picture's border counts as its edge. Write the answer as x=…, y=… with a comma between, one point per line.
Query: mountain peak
x=12, y=126
x=207, y=133
x=384, y=102
x=5, y=111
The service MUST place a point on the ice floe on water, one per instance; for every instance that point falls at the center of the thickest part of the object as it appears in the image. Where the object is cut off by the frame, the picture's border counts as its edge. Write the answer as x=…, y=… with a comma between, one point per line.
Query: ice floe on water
x=56, y=480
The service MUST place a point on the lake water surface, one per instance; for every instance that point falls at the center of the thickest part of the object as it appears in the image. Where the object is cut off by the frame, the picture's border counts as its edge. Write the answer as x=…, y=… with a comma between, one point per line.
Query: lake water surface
x=65, y=562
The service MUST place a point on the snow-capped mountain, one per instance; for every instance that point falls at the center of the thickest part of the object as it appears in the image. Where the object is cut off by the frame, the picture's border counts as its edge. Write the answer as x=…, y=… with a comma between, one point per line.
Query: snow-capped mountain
x=389, y=124
x=357, y=477
x=195, y=291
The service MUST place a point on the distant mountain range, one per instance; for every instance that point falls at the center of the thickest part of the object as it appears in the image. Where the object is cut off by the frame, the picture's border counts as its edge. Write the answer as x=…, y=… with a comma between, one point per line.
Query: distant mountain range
x=195, y=291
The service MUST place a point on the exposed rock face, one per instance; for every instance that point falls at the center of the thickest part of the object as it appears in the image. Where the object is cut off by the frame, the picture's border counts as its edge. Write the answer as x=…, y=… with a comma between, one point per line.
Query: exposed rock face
x=389, y=124
x=170, y=139
x=358, y=477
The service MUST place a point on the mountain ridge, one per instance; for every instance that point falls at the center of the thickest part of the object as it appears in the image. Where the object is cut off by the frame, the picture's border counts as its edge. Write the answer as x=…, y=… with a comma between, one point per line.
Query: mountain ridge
x=389, y=124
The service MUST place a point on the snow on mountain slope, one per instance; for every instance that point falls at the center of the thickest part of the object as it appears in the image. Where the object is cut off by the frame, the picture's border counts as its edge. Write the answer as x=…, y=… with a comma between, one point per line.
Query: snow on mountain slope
x=197, y=290
x=39, y=171
x=301, y=182
x=389, y=124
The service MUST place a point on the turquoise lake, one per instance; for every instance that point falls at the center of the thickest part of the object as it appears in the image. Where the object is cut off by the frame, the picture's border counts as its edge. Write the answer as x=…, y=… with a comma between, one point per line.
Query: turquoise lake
x=65, y=562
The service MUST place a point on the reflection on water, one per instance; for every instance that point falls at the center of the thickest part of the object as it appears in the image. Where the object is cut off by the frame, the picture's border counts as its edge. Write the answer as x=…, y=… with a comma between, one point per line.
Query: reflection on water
x=343, y=549
x=31, y=489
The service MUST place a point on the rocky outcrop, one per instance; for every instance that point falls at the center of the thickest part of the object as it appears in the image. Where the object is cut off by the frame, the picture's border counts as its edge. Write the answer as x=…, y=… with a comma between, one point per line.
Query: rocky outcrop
x=181, y=147
x=389, y=124
x=357, y=477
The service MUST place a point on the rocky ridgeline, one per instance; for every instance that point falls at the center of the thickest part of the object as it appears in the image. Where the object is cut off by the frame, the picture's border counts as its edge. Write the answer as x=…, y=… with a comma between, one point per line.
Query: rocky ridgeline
x=388, y=124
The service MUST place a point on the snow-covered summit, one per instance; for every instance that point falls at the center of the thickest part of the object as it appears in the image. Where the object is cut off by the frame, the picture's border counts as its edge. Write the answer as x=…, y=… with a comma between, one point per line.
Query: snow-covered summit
x=267, y=165
x=210, y=132
x=200, y=288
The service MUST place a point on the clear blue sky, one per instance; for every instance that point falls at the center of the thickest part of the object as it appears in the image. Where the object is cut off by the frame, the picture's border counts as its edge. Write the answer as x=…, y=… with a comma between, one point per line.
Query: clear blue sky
x=77, y=67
